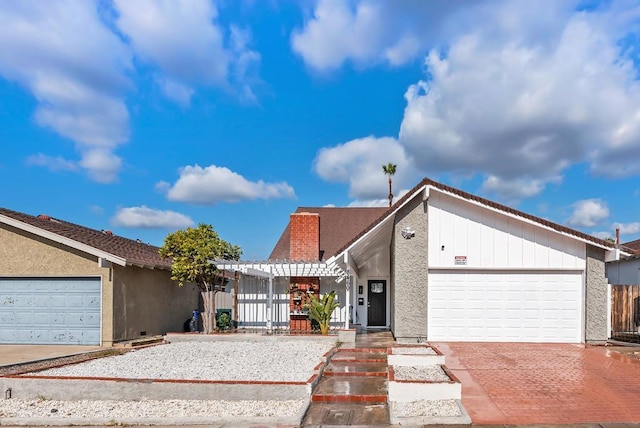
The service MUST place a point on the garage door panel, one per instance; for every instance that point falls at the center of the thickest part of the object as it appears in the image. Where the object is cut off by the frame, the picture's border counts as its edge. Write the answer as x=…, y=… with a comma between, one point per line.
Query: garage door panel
x=521, y=307
x=50, y=310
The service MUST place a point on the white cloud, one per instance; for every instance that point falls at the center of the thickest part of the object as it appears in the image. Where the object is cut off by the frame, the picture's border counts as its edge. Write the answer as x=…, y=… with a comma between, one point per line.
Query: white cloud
x=603, y=235
x=184, y=40
x=96, y=209
x=510, y=103
x=588, y=213
x=149, y=218
x=102, y=165
x=383, y=202
x=373, y=31
x=628, y=228
x=53, y=163
x=207, y=186
x=517, y=188
x=75, y=68
x=359, y=163
x=512, y=93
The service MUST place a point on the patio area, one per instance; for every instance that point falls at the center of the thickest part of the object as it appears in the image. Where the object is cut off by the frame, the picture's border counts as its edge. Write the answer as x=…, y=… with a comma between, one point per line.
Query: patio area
x=526, y=383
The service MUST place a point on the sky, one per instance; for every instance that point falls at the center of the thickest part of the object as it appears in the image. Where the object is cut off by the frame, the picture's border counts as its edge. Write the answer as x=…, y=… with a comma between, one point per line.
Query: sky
x=144, y=117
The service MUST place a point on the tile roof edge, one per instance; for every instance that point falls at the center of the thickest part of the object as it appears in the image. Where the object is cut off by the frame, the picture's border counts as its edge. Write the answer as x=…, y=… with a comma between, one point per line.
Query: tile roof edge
x=38, y=231
x=426, y=182
x=75, y=244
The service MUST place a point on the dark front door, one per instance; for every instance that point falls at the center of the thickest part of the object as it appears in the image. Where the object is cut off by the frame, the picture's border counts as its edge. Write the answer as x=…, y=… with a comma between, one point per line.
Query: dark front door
x=377, y=298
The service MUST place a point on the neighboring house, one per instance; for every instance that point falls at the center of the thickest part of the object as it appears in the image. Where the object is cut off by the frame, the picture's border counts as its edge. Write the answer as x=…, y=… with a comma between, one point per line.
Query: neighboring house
x=439, y=265
x=61, y=283
x=626, y=270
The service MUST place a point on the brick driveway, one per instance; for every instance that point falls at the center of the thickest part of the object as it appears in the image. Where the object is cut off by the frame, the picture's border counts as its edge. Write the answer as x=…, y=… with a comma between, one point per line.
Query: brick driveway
x=524, y=383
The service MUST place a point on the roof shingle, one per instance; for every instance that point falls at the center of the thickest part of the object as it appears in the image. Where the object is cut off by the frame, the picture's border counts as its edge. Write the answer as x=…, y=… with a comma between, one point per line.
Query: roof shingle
x=337, y=227
x=133, y=252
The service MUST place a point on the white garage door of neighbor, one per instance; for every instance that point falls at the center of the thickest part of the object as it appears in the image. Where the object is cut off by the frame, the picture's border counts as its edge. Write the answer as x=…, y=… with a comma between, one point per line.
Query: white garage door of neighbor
x=60, y=311
x=505, y=307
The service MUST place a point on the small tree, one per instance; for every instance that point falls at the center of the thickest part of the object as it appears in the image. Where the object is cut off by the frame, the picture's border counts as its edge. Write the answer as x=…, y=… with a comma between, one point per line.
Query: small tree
x=389, y=169
x=320, y=310
x=191, y=251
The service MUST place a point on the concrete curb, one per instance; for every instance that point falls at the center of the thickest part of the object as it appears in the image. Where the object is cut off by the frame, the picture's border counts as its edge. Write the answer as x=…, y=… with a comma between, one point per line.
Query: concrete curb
x=200, y=422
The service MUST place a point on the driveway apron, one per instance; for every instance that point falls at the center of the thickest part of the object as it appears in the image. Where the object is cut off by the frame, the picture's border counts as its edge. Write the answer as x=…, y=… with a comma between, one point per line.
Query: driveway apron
x=525, y=383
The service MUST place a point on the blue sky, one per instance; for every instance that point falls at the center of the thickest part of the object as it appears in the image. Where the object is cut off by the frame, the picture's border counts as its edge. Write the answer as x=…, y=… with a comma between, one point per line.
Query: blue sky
x=150, y=116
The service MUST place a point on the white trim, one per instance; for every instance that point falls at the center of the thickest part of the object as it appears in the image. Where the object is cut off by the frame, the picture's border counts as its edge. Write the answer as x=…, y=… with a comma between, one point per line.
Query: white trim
x=282, y=269
x=501, y=269
x=62, y=240
x=379, y=225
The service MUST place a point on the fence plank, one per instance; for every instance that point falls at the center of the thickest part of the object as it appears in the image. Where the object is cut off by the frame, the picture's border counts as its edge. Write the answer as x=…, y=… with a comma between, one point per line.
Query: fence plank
x=625, y=308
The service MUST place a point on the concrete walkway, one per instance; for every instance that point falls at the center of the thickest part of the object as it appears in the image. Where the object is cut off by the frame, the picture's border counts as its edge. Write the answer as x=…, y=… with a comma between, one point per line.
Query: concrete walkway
x=19, y=354
x=524, y=383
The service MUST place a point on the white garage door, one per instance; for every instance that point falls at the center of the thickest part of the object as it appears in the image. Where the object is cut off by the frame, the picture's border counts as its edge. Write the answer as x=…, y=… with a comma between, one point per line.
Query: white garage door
x=505, y=307
x=50, y=311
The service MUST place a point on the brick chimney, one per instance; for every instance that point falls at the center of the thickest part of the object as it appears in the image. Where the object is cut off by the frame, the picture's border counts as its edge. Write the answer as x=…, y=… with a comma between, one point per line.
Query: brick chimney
x=304, y=236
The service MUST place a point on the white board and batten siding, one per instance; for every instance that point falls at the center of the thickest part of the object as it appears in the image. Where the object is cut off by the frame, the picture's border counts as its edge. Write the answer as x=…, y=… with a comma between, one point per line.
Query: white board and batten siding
x=494, y=278
x=493, y=240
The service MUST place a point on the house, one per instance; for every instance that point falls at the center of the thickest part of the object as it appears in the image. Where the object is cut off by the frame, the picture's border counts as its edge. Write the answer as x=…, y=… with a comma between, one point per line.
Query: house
x=61, y=283
x=626, y=270
x=440, y=265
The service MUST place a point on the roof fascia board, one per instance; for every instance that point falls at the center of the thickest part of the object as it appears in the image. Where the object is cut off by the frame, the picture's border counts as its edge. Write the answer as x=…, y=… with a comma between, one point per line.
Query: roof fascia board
x=392, y=214
x=523, y=219
x=62, y=240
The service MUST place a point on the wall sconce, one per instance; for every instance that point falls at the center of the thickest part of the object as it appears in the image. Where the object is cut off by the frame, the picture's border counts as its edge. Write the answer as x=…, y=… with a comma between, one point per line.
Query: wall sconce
x=408, y=233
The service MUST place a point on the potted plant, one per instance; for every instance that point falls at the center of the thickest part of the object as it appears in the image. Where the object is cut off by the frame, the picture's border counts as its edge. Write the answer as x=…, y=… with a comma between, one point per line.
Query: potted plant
x=321, y=309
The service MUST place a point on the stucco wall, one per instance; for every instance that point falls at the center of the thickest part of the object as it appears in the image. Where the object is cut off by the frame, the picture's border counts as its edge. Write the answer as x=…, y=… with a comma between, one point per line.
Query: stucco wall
x=596, y=296
x=149, y=301
x=409, y=287
x=24, y=254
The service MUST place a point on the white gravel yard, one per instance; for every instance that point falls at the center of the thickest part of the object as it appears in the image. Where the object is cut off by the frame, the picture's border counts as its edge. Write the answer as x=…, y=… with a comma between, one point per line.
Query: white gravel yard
x=424, y=373
x=426, y=408
x=115, y=410
x=264, y=360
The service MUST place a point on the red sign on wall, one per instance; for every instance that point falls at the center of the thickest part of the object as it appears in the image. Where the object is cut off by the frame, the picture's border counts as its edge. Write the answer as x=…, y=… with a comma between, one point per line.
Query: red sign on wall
x=461, y=260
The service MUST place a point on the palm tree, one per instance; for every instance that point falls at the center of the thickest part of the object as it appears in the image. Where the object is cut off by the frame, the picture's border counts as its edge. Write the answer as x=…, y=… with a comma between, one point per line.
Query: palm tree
x=389, y=169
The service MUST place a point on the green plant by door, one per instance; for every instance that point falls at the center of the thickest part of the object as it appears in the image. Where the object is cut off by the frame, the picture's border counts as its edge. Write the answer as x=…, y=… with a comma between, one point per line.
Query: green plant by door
x=320, y=310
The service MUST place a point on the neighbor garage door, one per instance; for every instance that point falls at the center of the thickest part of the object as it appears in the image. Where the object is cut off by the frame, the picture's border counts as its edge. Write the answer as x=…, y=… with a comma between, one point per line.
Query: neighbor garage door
x=50, y=311
x=505, y=307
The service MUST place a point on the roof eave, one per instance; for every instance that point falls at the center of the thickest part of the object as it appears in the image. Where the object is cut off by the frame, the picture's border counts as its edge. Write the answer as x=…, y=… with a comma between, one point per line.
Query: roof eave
x=340, y=254
x=63, y=240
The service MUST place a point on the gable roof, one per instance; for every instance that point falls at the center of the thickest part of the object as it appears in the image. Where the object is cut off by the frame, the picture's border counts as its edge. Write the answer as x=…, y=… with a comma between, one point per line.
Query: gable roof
x=337, y=227
x=116, y=249
x=425, y=183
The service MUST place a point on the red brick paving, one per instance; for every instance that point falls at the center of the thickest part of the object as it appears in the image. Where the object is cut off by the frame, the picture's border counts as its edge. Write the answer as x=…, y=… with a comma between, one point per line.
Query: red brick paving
x=522, y=383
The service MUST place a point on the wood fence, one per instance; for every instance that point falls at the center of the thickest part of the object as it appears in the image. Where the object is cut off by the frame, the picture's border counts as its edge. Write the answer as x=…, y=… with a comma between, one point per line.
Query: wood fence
x=625, y=312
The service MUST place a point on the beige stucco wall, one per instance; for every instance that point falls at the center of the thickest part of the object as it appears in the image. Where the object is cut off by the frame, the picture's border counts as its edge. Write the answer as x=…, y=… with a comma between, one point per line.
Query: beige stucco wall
x=148, y=301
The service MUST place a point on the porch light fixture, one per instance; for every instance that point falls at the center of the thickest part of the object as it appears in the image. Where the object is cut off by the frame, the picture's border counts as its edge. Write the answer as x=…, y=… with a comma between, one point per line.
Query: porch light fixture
x=408, y=233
